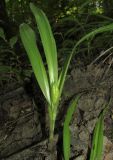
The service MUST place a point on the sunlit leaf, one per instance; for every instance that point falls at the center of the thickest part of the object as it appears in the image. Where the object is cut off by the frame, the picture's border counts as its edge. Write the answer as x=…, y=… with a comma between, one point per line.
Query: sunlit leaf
x=29, y=42
x=66, y=130
x=97, y=144
x=48, y=42
x=63, y=73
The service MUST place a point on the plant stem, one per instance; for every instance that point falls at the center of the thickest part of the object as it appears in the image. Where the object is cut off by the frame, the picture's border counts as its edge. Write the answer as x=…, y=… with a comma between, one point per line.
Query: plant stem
x=52, y=142
x=52, y=118
x=51, y=136
x=52, y=126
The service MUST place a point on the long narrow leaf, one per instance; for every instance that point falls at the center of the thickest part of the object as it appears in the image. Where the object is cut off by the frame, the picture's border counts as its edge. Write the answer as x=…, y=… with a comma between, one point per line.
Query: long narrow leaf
x=97, y=144
x=86, y=37
x=48, y=42
x=29, y=42
x=66, y=131
x=63, y=73
x=93, y=33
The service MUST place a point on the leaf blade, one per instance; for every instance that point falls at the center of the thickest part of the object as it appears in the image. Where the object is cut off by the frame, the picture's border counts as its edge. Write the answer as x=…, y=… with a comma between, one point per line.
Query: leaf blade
x=97, y=144
x=106, y=28
x=29, y=41
x=63, y=73
x=66, y=131
x=73, y=52
x=48, y=42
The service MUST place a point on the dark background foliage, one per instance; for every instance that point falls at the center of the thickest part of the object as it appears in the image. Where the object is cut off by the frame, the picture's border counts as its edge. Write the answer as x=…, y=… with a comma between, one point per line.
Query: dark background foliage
x=70, y=20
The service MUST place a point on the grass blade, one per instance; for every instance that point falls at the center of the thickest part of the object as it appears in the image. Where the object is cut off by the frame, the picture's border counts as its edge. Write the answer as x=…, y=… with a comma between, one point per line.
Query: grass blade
x=97, y=144
x=66, y=142
x=66, y=131
x=48, y=42
x=29, y=42
x=92, y=34
x=86, y=37
x=63, y=73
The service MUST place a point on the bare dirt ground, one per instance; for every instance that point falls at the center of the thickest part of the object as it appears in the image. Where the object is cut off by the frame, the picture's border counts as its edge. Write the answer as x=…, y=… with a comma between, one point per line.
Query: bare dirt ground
x=24, y=117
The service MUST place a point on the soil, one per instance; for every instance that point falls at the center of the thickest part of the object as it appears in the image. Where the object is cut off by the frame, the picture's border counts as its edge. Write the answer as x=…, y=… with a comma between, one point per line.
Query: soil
x=24, y=117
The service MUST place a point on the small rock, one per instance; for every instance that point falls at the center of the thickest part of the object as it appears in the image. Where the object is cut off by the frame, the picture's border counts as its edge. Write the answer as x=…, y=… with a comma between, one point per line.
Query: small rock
x=84, y=135
x=108, y=156
x=82, y=157
x=108, y=149
x=91, y=125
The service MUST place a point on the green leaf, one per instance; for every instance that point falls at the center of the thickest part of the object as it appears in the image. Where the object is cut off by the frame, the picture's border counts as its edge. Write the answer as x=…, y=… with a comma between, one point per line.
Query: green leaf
x=63, y=73
x=66, y=142
x=55, y=94
x=48, y=42
x=13, y=41
x=97, y=144
x=92, y=34
x=66, y=131
x=29, y=42
x=2, y=35
x=86, y=37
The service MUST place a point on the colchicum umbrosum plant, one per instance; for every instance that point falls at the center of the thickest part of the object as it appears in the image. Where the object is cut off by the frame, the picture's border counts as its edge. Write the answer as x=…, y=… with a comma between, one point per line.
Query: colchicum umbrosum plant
x=51, y=85
x=50, y=81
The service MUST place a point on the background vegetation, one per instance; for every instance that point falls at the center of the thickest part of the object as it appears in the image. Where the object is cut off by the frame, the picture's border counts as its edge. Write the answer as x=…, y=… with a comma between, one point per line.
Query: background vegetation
x=70, y=20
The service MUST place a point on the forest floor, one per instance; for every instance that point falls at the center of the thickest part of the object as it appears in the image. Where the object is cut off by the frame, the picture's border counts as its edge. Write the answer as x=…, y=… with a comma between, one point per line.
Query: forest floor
x=24, y=118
